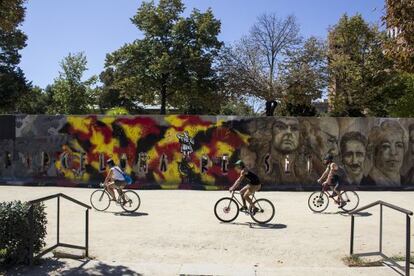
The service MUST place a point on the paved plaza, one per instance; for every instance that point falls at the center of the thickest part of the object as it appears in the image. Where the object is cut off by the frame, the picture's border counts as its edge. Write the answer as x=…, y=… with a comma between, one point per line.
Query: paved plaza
x=175, y=232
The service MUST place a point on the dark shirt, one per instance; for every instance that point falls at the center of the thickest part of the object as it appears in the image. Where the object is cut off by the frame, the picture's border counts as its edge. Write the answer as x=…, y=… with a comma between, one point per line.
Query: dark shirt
x=252, y=178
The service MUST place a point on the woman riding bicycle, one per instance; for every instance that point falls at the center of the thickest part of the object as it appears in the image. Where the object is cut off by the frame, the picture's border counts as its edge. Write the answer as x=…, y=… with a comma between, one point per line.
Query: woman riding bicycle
x=115, y=180
x=248, y=190
x=332, y=178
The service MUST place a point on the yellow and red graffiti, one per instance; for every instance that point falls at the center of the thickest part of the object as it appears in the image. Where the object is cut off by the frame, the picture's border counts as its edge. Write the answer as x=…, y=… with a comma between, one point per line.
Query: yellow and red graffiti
x=94, y=139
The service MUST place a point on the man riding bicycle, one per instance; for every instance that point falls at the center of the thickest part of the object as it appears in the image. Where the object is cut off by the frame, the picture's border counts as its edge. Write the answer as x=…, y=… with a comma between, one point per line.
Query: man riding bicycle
x=248, y=190
x=115, y=180
x=331, y=175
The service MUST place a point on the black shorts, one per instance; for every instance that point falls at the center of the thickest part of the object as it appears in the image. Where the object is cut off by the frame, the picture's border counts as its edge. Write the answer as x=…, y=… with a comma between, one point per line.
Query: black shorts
x=119, y=184
x=337, y=186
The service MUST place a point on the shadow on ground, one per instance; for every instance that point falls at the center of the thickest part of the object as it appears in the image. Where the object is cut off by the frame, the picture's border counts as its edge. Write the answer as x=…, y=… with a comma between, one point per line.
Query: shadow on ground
x=126, y=214
x=135, y=214
x=58, y=267
x=345, y=214
x=259, y=226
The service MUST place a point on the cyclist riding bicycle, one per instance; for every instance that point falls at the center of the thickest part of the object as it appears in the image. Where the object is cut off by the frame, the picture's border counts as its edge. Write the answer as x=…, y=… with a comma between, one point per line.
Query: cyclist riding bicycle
x=331, y=175
x=248, y=190
x=115, y=180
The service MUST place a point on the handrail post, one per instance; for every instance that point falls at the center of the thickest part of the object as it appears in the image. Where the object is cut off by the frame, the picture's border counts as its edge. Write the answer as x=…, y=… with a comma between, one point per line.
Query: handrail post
x=58, y=220
x=408, y=244
x=87, y=233
x=351, y=251
x=380, y=233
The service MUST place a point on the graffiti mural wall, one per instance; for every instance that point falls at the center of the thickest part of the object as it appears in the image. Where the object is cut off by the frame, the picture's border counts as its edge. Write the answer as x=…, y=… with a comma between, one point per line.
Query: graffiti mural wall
x=197, y=152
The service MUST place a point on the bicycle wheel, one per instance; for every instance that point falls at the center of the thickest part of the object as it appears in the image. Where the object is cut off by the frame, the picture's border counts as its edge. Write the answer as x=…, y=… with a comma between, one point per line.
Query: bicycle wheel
x=226, y=209
x=352, y=200
x=265, y=213
x=100, y=200
x=132, y=201
x=318, y=202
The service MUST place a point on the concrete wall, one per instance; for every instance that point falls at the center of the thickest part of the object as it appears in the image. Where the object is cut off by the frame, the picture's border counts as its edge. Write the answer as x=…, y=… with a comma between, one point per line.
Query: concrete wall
x=197, y=152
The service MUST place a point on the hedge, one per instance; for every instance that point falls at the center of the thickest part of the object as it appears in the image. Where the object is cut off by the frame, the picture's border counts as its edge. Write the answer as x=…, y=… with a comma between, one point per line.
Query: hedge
x=15, y=231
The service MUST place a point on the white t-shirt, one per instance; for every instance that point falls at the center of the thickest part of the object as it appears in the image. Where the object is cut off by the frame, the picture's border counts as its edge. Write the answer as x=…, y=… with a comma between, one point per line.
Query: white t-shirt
x=116, y=173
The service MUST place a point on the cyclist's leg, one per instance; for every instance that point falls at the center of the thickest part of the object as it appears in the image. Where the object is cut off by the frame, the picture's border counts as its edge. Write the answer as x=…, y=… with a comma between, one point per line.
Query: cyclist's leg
x=250, y=191
x=254, y=189
x=119, y=187
x=337, y=190
x=242, y=192
x=110, y=187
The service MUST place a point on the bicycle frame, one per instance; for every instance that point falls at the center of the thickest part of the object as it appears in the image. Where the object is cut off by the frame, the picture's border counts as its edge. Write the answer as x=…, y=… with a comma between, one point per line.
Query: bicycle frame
x=329, y=190
x=118, y=195
x=238, y=202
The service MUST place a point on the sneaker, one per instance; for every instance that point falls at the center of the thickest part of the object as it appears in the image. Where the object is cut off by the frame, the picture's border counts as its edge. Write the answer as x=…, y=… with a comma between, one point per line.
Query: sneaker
x=243, y=209
x=342, y=204
x=254, y=210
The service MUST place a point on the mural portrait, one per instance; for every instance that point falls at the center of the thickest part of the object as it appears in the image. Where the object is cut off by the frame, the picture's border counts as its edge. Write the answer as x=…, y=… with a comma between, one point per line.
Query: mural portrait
x=286, y=158
x=353, y=152
x=387, y=144
x=409, y=177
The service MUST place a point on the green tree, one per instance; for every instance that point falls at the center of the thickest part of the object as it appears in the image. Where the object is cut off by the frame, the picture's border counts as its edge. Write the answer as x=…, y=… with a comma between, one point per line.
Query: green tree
x=70, y=94
x=357, y=67
x=11, y=14
x=403, y=106
x=13, y=84
x=34, y=102
x=399, y=19
x=304, y=78
x=110, y=96
x=251, y=67
x=173, y=63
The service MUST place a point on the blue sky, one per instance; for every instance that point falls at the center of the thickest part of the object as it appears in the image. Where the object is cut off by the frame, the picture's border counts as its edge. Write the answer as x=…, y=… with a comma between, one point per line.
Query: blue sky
x=97, y=27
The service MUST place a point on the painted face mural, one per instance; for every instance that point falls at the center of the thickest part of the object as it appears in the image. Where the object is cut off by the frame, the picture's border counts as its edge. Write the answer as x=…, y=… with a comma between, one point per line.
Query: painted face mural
x=353, y=150
x=286, y=135
x=329, y=133
x=198, y=152
x=389, y=155
x=412, y=140
x=388, y=145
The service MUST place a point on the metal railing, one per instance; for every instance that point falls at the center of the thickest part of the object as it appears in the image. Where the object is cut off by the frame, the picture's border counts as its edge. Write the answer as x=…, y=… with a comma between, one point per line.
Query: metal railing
x=58, y=243
x=381, y=203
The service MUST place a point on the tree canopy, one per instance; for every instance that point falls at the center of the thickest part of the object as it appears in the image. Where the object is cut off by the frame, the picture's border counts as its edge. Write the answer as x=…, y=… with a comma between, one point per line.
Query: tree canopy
x=399, y=19
x=252, y=65
x=358, y=68
x=173, y=64
x=69, y=92
x=13, y=84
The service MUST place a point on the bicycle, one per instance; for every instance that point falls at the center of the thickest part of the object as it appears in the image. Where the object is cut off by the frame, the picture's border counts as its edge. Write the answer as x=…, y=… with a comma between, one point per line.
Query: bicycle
x=319, y=201
x=227, y=209
x=100, y=200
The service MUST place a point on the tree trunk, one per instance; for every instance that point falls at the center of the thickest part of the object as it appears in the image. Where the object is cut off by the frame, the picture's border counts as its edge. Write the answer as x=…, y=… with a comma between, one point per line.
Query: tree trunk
x=163, y=99
x=270, y=107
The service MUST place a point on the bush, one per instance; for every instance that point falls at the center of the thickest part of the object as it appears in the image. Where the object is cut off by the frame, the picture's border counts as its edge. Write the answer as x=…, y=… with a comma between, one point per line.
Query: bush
x=116, y=111
x=15, y=231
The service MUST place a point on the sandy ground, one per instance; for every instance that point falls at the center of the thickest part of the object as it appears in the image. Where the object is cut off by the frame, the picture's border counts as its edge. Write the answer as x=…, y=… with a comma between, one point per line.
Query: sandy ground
x=179, y=227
